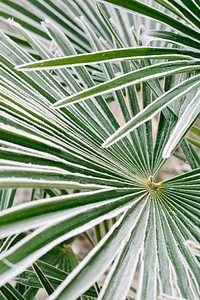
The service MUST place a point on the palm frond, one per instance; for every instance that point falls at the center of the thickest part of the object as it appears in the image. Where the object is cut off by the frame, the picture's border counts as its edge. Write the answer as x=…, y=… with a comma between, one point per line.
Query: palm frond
x=55, y=116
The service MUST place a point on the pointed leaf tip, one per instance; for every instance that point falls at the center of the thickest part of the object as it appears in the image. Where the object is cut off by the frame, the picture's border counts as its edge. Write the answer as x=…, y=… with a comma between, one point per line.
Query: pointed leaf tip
x=109, y=142
x=105, y=145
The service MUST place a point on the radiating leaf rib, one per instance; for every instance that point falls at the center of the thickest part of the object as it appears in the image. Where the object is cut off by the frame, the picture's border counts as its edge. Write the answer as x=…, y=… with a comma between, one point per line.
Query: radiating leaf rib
x=186, y=214
x=134, y=77
x=6, y=244
x=186, y=14
x=46, y=237
x=69, y=146
x=118, y=95
x=162, y=135
x=148, y=276
x=54, y=275
x=139, y=7
x=10, y=292
x=43, y=279
x=106, y=114
x=50, y=11
x=121, y=275
x=109, y=25
x=33, y=142
x=2, y=296
x=55, y=177
x=183, y=261
x=189, y=203
x=169, y=36
x=44, y=51
x=26, y=98
x=30, y=293
x=187, y=177
x=136, y=150
x=40, y=212
x=83, y=74
x=47, y=86
x=185, y=188
x=110, y=56
x=164, y=261
x=172, y=8
x=183, y=125
x=189, y=154
x=7, y=198
x=107, y=248
x=19, y=158
x=146, y=131
x=153, y=108
x=192, y=8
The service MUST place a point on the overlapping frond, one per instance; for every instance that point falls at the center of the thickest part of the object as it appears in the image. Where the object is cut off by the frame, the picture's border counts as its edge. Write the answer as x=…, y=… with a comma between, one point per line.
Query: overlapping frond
x=55, y=116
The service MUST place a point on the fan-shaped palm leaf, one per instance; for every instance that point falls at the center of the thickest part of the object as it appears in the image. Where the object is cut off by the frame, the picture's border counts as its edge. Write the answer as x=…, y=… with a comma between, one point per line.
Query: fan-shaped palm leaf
x=52, y=140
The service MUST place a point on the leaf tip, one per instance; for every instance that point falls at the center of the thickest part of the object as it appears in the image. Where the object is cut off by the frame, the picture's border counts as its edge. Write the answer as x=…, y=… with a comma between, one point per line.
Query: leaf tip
x=106, y=144
x=20, y=68
x=166, y=153
x=53, y=106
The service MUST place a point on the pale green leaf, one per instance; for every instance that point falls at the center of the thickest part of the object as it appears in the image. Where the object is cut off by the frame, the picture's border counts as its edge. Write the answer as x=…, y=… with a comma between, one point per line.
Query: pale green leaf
x=183, y=125
x=110, y=56
x=150, y=72
x=153, y=108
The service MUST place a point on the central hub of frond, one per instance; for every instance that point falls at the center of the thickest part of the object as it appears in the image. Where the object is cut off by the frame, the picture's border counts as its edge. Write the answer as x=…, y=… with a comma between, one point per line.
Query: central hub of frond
x=152, y=186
